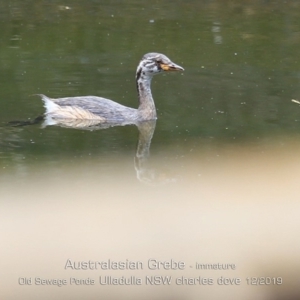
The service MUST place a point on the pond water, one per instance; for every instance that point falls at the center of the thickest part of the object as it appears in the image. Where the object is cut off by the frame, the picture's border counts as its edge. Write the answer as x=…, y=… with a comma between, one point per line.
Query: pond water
x=213, y=180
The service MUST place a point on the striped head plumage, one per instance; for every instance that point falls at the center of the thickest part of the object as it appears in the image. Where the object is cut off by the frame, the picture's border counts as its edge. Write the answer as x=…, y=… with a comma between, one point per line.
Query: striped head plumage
x=155, y=63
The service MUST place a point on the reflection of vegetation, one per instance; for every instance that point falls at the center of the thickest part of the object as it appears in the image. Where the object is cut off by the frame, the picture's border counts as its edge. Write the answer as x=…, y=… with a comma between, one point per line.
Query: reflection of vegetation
x=241, y=61
x=102, y=27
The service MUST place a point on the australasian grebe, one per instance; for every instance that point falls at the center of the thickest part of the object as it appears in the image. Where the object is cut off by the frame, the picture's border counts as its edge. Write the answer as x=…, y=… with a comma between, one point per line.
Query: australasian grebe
x=105, y=110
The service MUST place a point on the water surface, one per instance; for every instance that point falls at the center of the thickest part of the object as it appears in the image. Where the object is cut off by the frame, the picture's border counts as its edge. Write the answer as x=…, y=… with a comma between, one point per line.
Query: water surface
x=216, y=183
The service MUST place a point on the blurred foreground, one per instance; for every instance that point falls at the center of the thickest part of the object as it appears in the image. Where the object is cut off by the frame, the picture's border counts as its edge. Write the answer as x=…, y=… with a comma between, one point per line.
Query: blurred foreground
x=239, y=205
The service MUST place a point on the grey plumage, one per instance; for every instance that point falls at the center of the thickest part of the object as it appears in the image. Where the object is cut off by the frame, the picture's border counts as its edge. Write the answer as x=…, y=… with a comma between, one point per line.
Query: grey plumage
x=102, y=110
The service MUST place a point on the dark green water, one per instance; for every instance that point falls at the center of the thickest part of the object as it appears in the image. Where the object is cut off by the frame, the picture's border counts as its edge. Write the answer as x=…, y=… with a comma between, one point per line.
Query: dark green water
x=241, y=71
x=222, y=181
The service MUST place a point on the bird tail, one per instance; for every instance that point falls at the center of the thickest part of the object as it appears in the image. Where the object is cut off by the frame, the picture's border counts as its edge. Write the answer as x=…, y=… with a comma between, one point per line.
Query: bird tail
x=48, y=103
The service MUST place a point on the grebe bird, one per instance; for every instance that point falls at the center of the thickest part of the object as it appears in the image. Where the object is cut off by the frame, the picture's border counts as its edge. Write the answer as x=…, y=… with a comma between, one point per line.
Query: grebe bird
x=103, y=110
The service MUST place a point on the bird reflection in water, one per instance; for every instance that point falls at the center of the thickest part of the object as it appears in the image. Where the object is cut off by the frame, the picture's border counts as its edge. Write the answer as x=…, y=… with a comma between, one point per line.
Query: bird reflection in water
x=92, y=112
x=144, y=172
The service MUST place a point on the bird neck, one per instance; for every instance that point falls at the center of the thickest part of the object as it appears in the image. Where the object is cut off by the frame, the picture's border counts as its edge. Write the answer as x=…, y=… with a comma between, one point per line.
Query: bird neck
x=146, y=110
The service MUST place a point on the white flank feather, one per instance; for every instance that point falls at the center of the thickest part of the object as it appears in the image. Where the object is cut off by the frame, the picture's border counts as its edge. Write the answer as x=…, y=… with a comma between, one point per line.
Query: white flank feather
x=55, y=111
